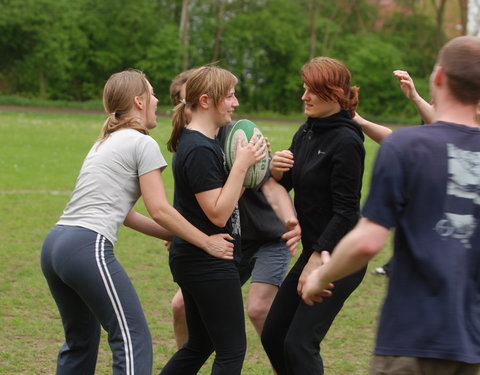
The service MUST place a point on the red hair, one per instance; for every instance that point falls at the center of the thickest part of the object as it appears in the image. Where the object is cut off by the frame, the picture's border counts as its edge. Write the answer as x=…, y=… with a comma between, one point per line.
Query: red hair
x=330, y=80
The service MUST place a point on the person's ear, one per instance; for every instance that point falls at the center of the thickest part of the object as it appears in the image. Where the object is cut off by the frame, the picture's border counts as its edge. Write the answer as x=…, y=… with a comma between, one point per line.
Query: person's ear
x=203, y=101
x=138, y=101
x=438, y=75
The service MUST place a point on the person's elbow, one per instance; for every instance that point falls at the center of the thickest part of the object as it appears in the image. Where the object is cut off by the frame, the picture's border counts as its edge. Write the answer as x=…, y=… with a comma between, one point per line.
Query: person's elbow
x=368, y=248
x=160, y=212
x=219, y=220
x=368, y=238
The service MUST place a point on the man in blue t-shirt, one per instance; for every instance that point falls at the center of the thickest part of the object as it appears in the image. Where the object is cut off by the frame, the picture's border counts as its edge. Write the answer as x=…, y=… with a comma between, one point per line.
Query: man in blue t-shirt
x=426, y=185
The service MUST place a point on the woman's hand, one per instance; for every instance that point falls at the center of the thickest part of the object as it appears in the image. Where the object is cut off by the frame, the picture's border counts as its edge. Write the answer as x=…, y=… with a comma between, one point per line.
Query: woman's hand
x=220, y=246
x=281, y=162
x=292, y=235
x=406, y=84
x=314, y=262
x=251, y=153
x=315, y=289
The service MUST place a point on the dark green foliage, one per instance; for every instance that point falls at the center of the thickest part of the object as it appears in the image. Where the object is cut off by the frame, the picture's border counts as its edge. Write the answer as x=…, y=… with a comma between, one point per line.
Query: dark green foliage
x=65, y=50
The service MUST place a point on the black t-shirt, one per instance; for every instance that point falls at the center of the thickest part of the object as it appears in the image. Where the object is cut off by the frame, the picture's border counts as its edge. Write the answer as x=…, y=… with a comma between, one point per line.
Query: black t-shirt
x=199, y=165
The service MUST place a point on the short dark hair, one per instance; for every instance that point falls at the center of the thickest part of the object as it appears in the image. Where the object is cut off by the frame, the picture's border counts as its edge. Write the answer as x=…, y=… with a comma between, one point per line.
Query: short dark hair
x=460, y=59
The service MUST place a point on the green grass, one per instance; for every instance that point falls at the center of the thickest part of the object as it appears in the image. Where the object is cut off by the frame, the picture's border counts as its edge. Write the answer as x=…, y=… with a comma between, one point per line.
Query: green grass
x=40, y=158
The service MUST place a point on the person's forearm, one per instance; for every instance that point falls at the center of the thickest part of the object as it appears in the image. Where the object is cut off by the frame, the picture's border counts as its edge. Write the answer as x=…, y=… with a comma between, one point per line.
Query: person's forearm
x=173, y=221
x=145, y=225
x=355, y=250
x=375, y=131
x=279, y=200
x=424, y=109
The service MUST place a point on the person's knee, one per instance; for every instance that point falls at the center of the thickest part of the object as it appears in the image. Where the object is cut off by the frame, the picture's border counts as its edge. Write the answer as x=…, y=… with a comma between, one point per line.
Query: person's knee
x=257, y=312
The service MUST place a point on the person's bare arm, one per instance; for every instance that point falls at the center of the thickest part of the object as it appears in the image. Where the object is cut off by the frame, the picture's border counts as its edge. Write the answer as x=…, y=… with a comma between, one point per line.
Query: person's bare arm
x=374, y=131
x=424, y=109
x=353, y=252
x=155, y=199
x=145, y=225
x=282, y=205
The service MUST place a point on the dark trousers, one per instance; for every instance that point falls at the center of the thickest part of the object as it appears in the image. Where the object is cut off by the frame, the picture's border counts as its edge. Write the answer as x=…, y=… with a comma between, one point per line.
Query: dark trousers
x=91, y=288
x=215, y=320
x=293, y=330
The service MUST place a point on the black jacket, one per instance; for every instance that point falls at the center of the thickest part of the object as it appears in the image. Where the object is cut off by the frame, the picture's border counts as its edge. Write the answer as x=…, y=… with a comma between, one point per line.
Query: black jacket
x=327, y=179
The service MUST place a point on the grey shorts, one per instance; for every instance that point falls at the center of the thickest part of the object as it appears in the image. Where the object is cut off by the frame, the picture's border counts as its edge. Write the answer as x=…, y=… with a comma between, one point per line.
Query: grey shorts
x=267, y=263
x=391, y=365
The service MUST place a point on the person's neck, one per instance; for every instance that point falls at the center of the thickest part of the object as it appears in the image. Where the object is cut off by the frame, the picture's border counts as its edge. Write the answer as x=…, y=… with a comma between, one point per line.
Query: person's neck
x=204, y=126
x=457, y=113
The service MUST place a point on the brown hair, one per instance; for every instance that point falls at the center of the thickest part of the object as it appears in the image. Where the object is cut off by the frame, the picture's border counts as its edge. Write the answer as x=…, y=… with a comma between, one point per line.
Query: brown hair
x=176, y=85
x=118, y=95
x=460, y=59
x=330, y=80
x=211, y=80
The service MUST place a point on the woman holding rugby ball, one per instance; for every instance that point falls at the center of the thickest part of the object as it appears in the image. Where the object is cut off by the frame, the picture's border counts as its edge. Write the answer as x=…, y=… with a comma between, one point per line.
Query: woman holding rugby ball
x=207, y=194
x=324, y=166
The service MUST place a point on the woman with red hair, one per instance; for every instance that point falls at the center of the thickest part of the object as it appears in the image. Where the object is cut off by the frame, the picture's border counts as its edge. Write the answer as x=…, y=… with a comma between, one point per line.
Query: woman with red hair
x=324, y=166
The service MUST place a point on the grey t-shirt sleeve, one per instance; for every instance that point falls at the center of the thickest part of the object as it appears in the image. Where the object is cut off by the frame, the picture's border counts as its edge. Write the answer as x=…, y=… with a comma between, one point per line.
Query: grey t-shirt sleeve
x=149, y=156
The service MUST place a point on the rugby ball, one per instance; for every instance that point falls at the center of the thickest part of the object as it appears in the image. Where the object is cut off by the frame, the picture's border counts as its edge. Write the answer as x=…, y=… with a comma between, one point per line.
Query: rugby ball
x=245, y=129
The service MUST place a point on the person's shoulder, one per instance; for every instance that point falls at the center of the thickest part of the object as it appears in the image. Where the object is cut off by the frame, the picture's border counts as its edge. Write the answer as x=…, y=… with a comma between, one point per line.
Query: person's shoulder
x=415, y=133
x=193, y=142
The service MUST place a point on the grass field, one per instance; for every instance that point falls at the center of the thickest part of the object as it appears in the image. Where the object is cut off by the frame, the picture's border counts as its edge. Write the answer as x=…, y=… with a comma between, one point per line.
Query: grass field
x=41, y=155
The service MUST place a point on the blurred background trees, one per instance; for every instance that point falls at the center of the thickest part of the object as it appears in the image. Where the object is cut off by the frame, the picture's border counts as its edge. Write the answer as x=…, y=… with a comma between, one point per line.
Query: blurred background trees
x=63, y=49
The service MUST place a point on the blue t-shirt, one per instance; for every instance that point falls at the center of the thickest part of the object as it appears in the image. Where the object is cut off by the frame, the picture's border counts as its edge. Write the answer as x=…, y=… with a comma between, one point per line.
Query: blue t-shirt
x=199, y=165
x=426, y=185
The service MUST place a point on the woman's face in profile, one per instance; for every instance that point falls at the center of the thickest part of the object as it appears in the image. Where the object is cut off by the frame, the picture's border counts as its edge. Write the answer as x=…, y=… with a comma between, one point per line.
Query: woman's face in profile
x=316, y=107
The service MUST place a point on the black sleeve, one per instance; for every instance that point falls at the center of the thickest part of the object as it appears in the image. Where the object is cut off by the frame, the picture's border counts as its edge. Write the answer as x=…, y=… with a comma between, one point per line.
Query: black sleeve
x=346, y=184
x=203, y=169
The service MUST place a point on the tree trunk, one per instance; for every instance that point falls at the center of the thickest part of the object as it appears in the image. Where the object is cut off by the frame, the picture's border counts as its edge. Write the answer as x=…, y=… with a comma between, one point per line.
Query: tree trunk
x=439, y=16
x=184, y=29
x=220, y=31
x=312, y=26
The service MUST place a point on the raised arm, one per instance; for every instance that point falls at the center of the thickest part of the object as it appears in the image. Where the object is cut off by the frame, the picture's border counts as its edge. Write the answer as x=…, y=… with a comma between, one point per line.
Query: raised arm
x=424, y=109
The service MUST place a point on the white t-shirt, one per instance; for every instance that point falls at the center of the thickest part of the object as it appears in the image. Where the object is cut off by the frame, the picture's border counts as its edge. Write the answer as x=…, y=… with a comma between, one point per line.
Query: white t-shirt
x=108, y=185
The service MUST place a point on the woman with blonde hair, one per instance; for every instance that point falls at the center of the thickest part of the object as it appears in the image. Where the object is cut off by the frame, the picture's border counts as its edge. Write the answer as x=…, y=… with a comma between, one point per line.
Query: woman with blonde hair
x=89, y=285
x=207, y=195
x=324, y=166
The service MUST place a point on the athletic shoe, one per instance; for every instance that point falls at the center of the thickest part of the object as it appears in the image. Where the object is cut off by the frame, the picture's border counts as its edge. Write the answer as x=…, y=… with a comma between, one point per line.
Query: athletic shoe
x=380, y=271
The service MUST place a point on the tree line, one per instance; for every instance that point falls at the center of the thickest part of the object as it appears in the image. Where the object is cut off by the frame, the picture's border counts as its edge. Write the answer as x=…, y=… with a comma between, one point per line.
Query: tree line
x=63, y=49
